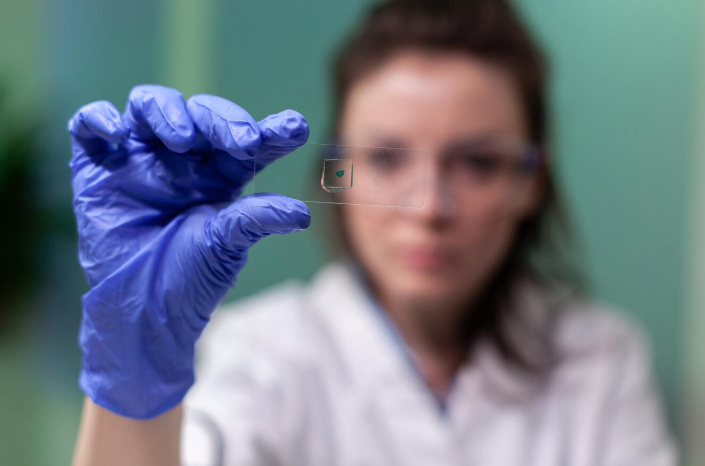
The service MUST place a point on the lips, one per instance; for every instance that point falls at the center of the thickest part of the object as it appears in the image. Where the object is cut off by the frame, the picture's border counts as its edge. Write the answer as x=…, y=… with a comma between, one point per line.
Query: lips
x=427, y=259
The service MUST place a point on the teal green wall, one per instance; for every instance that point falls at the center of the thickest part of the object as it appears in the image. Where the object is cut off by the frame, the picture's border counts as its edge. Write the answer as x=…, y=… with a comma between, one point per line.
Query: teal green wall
x=626, y=76
x=693, y=390
x=625, y=95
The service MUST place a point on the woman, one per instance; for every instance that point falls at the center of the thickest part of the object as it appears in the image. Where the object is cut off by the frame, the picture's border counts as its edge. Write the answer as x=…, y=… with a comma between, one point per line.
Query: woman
x=449, y=334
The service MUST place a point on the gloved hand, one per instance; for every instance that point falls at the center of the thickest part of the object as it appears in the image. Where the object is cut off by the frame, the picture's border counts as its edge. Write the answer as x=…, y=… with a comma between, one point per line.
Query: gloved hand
x=161, y=236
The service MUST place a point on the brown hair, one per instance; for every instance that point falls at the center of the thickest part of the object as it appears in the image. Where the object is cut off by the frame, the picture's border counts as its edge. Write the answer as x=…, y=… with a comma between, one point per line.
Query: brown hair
x=487, y=30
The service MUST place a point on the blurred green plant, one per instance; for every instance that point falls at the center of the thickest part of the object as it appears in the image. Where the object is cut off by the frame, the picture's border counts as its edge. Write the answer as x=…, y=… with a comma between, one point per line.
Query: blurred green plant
x=20, y=215
x=27, y=222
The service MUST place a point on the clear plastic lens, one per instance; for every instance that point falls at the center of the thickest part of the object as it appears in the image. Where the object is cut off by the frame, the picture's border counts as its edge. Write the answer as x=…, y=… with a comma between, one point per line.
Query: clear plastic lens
x=344, y=174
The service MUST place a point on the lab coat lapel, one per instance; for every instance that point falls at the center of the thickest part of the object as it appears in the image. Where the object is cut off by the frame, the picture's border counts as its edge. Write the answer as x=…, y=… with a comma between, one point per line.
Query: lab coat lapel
x=401, y=405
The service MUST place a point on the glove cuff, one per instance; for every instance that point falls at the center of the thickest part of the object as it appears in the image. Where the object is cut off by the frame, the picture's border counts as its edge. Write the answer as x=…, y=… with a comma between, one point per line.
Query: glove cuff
x=128, y=406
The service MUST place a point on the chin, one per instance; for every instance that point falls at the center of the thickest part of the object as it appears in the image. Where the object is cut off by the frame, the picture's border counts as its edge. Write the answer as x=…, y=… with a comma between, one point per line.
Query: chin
x=428, y=289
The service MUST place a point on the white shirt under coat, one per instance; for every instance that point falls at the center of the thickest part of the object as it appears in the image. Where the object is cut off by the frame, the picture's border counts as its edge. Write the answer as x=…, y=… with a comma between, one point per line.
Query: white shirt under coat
x=314, y=375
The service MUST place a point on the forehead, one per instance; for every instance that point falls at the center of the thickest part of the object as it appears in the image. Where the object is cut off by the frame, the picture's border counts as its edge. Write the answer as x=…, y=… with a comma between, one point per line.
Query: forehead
x=427, y=99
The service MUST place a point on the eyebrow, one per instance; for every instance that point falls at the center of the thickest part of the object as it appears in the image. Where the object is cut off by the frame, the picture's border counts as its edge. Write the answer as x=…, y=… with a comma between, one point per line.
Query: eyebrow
x=377, y=139
x=384, y=140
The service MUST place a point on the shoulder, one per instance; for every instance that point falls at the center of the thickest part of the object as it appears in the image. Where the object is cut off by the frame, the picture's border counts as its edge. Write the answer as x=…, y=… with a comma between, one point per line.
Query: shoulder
x=273, y=320
x=589, y=327
x=281, y=303
x=576, y=323
x=605, y=363
x=284, y=324
x=577, y=328
x=585, y=343
x=600, y=348
x=251, y=382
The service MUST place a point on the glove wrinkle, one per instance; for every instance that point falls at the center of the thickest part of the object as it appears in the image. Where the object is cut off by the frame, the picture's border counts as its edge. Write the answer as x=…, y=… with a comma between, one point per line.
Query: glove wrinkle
x=244, y=137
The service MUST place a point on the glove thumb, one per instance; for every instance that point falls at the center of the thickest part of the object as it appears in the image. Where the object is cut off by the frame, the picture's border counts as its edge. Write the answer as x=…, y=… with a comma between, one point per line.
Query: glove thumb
x=244, y=222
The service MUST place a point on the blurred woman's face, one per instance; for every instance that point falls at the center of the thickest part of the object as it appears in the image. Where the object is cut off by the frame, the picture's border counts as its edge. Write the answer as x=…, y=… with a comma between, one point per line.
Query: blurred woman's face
x=450, y=105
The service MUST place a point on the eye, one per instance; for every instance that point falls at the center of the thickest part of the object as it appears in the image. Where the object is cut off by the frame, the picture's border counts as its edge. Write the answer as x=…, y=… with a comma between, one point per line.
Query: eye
x=383, y=159
x=482, y=164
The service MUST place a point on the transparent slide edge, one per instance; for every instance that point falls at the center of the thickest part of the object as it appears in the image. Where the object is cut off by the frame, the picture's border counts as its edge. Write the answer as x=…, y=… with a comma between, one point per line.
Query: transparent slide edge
x=348, y=174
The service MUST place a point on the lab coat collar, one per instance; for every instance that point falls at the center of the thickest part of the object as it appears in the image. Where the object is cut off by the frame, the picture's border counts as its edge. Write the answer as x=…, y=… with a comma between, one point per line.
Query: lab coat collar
x=340, y=299
x=374, y=356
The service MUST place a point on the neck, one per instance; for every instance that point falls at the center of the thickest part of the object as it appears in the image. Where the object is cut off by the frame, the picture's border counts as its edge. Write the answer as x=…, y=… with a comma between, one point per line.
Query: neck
x=435, y=334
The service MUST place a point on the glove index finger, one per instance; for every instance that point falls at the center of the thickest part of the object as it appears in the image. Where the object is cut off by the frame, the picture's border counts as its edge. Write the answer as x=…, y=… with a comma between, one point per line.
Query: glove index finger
x=287, y=129
x=158, y=112
x=99, y=120
x=94, y=127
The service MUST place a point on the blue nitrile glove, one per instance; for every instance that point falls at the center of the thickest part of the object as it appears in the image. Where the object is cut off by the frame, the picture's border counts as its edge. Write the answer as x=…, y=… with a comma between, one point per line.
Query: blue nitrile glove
x=161, y=236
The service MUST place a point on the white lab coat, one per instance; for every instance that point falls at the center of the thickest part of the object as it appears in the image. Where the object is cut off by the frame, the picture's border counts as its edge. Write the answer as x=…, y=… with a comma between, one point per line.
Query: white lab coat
x=311, y=375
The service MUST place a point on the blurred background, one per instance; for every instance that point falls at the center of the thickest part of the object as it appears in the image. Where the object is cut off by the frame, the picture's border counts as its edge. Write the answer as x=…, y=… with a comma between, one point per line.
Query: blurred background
x=629, y=108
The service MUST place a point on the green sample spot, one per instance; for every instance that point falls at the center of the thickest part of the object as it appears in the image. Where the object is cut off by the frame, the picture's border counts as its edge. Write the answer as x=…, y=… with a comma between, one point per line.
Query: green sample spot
x=337, y=175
